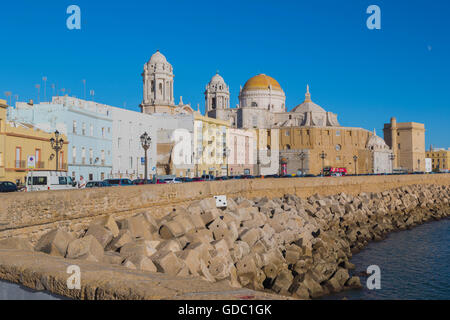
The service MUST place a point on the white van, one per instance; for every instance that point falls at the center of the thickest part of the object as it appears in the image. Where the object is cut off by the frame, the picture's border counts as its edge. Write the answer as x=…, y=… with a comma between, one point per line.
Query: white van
x=49, y=180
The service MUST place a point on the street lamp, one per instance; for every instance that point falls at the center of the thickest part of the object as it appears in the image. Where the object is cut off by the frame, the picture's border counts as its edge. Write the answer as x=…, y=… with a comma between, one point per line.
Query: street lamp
x=323, y=155
x=57, y=144
x=392, y=158
x=355, y=159
x=145, y=142
x=302, y=156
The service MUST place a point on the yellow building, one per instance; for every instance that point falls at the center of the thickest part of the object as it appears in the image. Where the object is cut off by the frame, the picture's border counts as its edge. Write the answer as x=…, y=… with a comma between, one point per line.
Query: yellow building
x=440, y=159
x=407, y=141
x=210, y=146
x=18, y=141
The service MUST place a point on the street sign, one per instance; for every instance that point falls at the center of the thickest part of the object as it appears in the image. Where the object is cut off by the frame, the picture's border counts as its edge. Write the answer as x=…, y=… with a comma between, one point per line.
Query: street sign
x=143, y=161
x=31, y=162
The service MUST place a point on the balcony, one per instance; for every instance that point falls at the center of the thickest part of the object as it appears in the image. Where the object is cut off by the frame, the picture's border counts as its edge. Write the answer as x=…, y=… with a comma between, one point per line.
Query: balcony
x=20, y=164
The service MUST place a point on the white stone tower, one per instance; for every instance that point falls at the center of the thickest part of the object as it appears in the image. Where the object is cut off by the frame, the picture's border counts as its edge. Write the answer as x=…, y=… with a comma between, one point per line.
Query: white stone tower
x=217, y=94
x=158, y=85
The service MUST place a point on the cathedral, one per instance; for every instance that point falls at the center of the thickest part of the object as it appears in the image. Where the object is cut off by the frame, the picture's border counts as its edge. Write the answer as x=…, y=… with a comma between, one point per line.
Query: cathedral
x=307, y=138
x=262, y=105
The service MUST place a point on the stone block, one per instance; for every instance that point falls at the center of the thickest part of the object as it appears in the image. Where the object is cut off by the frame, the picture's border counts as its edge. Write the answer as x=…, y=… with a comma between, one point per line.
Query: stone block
x=196, y=220
x=171, y=229
x=103, y=235
x=207, y=204
x=169, y=245
x=123, y=238
x=210, y=215
x=167, y=262
x=142, y=262
x=283, y=282
x=250, y=236
x=128, y=264
x=139, y=227
x=191, y=259
x=54, y=242
x=86, y=248
x=112, y=258
x=219, y=267
x=109, y=223
x=136, y=249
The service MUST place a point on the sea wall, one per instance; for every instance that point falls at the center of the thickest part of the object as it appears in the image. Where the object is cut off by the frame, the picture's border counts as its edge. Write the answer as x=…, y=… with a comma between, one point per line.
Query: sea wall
x=32, y=214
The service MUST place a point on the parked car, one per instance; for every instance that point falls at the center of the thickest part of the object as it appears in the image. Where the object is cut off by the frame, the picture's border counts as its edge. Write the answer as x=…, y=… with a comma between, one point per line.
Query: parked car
x=222, y=178
x=186, y=179
x=173, y=180
x=197, y=179
x=142, y=181
x=271, y=176
x=247, y=176
x=97, y=184
x=207, y=177
x=119, y=182
x=160, y=181
x=8, y=186
x=49, y=180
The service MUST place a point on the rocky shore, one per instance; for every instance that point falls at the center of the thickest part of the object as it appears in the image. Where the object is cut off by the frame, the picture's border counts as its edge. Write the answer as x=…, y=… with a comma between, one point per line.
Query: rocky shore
x=289, y=246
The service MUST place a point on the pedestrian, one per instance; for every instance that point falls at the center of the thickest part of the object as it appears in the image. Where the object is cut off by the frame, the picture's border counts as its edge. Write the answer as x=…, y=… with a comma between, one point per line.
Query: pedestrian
x=82, y=183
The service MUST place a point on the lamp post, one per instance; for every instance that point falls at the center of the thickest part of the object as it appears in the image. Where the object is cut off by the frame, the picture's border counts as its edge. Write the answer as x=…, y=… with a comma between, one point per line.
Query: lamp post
x=302, y=156
x=323, y=155
x=392, y=158
x=145, y=142
x=57, y=144
x=355, y=159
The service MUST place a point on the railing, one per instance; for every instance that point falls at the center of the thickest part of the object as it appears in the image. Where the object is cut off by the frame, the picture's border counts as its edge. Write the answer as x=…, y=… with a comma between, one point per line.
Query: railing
x=20, y=164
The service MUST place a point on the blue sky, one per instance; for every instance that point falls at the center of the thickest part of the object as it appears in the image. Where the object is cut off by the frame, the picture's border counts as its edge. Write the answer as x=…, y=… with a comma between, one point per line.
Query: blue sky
x=365, y=76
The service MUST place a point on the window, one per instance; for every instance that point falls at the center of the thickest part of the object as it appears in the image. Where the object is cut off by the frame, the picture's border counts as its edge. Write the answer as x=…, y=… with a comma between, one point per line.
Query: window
x=254, y=104
x=37, y=158
x=338, y=147
x=399, y=146
x=83, y=155
x=74, y=154
x=91, y=130
x=338, y=158
x=62, y=180
x=103, y=132
x=18, y=156
x=1, y=159
x=61, y=160
x=91, y=156
x=38, y=181
x=103, y=157
x=74, y=127
x=287, y=133
x=118, y=142
x=338, y=133
x=83, y=129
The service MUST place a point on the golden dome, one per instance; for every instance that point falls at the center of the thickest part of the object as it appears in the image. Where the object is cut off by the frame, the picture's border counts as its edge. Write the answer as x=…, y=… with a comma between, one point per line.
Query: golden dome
x=262, y=81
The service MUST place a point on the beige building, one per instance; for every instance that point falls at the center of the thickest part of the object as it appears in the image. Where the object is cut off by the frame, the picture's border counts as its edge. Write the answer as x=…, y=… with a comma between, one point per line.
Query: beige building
x=440, y=159
x=210, y=146
x=241, y=156
x=18, y=141
x=407, y=141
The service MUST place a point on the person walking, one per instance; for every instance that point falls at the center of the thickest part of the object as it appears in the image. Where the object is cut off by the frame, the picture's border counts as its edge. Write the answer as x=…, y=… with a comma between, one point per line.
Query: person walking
x=82, y=183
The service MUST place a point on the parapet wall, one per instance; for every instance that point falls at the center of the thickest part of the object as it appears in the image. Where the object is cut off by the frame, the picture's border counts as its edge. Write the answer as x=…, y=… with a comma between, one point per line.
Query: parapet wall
x=32, y=214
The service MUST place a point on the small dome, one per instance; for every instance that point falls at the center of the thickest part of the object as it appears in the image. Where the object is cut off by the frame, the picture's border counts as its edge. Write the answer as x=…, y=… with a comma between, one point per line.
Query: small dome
x=217, y=78
x=158, y=57
x=376, y=143
x=308, y=105
x=262, y=81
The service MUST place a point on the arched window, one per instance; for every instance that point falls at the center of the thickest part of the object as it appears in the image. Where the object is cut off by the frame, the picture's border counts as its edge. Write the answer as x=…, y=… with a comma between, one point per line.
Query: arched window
x=254, y=104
